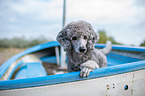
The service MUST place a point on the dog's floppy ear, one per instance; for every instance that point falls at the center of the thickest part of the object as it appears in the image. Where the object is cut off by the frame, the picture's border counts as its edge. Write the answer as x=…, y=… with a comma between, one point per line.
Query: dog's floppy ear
x=94, y=38
x=63, y=39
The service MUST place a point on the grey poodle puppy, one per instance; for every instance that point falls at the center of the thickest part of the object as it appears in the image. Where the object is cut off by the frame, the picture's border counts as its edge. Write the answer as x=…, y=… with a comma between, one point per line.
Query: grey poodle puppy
x=78, y=40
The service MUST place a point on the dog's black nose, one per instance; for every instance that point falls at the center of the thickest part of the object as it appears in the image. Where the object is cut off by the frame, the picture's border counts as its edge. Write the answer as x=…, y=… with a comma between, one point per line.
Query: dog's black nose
x=83, y=50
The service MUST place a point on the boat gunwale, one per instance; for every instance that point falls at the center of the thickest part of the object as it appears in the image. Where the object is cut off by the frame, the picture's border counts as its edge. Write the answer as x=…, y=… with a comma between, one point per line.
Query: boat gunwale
x=71, y=77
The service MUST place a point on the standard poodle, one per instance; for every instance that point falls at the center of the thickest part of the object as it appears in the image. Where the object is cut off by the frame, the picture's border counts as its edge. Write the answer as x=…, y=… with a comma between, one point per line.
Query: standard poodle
x=78, y=40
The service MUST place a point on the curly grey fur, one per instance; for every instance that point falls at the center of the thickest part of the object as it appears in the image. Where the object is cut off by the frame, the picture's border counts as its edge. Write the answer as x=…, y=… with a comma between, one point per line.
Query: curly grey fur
x=78, y=40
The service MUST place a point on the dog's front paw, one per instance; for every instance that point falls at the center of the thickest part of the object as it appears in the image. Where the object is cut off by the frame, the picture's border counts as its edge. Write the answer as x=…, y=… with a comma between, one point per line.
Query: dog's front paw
x=85, y=72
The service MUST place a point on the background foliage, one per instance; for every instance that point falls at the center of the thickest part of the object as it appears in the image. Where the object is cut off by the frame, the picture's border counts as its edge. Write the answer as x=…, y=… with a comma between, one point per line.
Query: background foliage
x=104, y=38
x=18, y=42
x=143, y=44
x=22, y=42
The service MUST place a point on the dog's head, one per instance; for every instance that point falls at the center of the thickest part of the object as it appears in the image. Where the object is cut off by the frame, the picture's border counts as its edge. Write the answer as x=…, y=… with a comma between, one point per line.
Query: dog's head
x=78, y=35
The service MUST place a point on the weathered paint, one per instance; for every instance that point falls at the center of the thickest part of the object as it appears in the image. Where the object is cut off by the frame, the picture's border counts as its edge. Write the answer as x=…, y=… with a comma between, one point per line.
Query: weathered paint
x=103, y=86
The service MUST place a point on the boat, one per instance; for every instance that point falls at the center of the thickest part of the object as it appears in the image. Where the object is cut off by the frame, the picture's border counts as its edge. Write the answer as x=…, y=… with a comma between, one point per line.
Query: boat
x=25, y=74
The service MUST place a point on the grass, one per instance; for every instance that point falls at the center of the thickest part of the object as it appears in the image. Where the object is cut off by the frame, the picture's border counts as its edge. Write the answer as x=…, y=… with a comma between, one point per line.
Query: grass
x=6, y=53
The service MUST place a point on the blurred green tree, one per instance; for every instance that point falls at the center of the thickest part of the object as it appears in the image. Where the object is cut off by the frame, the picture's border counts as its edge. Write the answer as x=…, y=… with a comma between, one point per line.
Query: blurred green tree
x=104, y=38
x=143, y=44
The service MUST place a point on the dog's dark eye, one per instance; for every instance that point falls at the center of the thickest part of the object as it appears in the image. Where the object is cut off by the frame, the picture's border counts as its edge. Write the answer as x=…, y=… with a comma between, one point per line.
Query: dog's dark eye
x=85, y=37
x=74, y=38
x=89, y=28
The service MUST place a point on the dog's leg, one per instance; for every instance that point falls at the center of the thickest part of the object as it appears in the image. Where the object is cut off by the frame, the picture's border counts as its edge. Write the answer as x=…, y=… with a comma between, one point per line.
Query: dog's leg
x=69, y=69
x=87, y=67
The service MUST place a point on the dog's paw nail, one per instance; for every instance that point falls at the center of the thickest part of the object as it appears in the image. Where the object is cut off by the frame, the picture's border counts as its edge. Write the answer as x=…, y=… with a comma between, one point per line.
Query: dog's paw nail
x=84, y=75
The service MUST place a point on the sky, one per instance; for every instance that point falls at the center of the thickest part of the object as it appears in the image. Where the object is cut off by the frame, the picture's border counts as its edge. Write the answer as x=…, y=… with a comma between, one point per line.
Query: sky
x=122, y=19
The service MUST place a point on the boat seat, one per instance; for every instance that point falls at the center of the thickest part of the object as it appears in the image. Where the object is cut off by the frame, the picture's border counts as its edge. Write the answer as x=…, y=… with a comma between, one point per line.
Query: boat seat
x=31, y=70
x=50, y=59
x=32, y=67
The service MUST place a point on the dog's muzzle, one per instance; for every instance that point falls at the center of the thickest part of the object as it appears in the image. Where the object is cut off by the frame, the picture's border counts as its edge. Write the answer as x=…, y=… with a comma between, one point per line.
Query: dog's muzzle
x=82, y=49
